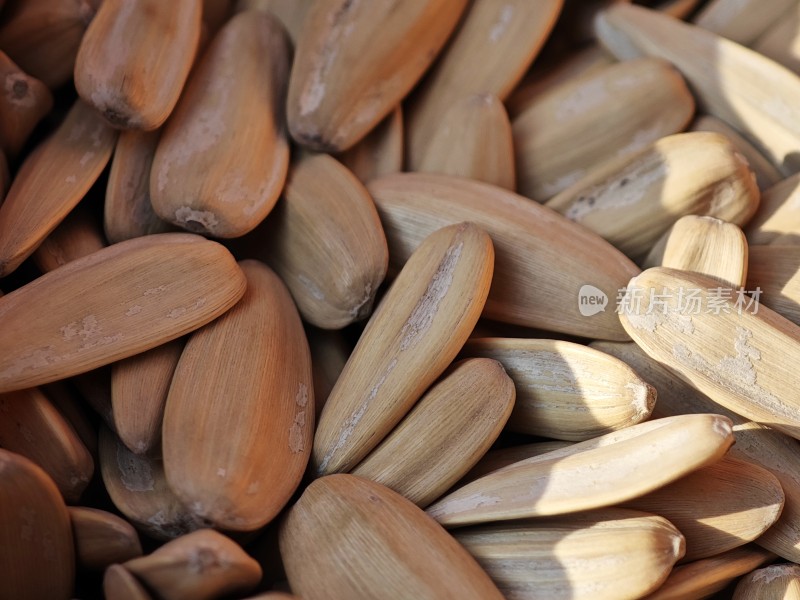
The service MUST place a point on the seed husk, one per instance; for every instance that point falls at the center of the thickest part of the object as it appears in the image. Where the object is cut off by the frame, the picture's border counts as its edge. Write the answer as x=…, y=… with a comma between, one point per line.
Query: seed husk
x=567, y=391
x=202, y=565
x=74, y=156
x=138, y=488
x=608, y=554
x=742, y=361
x=414, y=334
x=25, y=102
x=750, y=92
x=704, y=578
x=597, y=473
x=542, y=258
x=489, y=53
x=222, y=158
x=704, y=245
x=775, y=582
x=473, y=140
x=250, y=371
x=633, y=201
x=128, y=211
x=39, y=557
x=32, y=427
x=757, y=444
x=144, y=292
x=380, y=152
x=574, y=128
x=445, y=434
x=139, y=388
x=102, y=538
x=391, y=549
x=719, y=507
x=326, y=241
x=135, y=81
x=335, y=101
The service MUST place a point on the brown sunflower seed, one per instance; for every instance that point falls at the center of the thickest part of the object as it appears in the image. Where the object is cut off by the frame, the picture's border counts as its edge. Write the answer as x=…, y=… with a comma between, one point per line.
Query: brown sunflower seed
x=43, y=37
x=25, y=102
x=39, y=556
x=102, y=538
x=414, y=334
x=202, y=565
x=51, y=182
x=139, y=387
x=291, y=13
x=473, y=140
x=32, y=427
x=391, y=549
x=380, y=152
x=75, y=411
x=135, y=57
x=78, y=235
x=250, y=370
x=334, y=101
x=143, y=293
x=326, y=241
x=128, y=211
x=138, y=488
x=121, y=584
x=222, y=158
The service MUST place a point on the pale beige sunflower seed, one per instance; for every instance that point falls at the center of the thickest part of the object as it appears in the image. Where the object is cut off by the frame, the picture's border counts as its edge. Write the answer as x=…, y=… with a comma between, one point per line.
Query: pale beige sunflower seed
x=567, y=391
x=597, y=473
